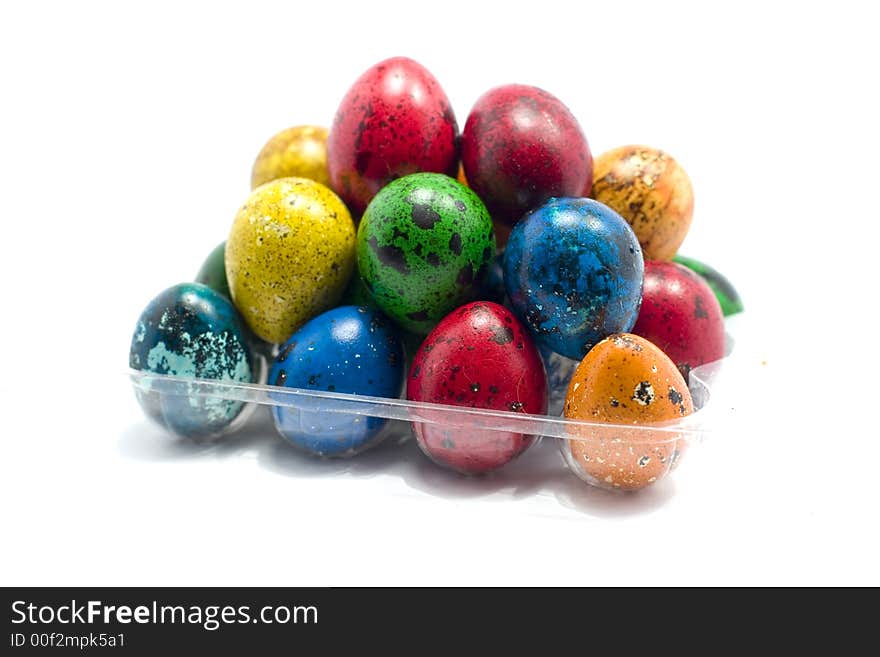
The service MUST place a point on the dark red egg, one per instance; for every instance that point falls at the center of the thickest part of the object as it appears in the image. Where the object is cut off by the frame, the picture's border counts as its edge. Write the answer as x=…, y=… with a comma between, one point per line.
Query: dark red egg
x=478, y=356
x=395, y=120
x=520, y=146
x=681, y=315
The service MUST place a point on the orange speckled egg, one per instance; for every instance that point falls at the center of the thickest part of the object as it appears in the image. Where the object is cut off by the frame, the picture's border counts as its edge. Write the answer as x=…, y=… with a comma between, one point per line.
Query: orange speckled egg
x=461, y=177
x=628, y=382
x=649, y=189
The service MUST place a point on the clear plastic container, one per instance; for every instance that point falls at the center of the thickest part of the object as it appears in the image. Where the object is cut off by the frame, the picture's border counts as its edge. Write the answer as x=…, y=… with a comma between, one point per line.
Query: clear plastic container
x=642, y=453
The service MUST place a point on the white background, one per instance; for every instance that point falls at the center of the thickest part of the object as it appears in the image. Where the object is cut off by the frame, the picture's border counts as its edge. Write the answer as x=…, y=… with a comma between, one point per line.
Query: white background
x=127, y=133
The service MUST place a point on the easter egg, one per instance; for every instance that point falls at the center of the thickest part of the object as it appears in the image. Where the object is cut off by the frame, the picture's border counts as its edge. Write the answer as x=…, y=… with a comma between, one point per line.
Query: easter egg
x=680, y=315
x=394, y=120
x=289, y=256
x=213, y=271
x=520, y=146
x=192, y=332
x=573, y=272
x=423, y=244
x=479, y=356
x=350, y=349
x=629, y=384
x=727, y=296
x=491, y=288
x=356, y=293
x=298, y=152
x=651, y=191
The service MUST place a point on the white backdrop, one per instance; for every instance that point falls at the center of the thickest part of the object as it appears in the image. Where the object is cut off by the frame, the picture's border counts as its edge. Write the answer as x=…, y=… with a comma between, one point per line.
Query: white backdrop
x=126, y=139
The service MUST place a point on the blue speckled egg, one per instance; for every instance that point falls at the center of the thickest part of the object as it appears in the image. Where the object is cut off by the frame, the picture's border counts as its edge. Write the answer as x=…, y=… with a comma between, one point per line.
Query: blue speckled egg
x=350, y=349
x=573, y=271
x=191, y=331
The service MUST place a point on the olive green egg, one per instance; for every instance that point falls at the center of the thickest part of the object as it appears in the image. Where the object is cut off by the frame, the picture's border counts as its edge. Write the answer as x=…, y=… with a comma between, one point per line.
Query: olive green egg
x=423, y=244
x=289, y=256
x=213, y=271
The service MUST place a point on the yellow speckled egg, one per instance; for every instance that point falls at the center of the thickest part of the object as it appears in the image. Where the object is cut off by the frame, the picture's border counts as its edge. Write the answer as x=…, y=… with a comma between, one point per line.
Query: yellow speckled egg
x=289, y=255
x=651, y=191
x=299, y=152
x=628, y=382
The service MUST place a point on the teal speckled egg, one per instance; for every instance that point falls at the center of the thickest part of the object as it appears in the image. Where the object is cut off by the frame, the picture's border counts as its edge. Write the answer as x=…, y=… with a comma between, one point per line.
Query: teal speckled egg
x=423, y=244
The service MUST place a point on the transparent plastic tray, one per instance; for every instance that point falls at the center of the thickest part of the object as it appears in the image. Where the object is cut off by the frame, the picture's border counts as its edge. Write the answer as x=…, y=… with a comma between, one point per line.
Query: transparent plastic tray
x=656, y=446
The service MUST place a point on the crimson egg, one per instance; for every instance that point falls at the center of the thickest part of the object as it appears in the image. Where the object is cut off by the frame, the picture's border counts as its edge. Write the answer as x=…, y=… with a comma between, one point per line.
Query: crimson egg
x=681, y=315
x=395, y=120
x=478, y=356
x=520, y=146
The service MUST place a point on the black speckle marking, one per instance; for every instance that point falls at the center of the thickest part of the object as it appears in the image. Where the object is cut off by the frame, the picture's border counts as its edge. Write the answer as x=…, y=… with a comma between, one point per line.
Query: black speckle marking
x=423, y=216
x=516, y=406
x=285, y=352
x=433, y=259
x=390, y=256
x=392, y=359
x=331, y=388
x=643, y=393
x=475, y=387
x=455, y=243
x=416, y=371
x=448, y=443
x=677, y=399
x=281, y=379
x=419, y=316
x=312, y=380
x=460, y=206
x=614, y=402
x=700, y=309
x=493, y=390
x=502, y=334
x=465, y=275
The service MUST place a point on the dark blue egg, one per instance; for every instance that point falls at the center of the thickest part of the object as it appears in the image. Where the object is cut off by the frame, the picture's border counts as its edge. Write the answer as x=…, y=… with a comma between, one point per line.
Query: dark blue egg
x=573, y=271
x=492, y=286
x=350, y=349
x=191, y=331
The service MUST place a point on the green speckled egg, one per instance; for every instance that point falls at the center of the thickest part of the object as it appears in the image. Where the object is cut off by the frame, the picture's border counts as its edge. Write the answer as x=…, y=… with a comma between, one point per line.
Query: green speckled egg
x=422, y=244
x=289, y=255
x=213, y=271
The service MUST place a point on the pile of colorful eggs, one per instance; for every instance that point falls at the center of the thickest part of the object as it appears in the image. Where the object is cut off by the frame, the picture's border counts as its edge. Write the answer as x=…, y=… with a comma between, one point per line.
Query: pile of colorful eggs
x=393, y=256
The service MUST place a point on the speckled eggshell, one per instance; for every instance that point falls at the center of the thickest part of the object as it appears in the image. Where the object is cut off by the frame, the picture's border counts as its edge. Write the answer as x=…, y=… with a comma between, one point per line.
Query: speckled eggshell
x=651, y=191
x=479, y=356
x=298, y=152
x=394, y=120
x=350, y=349
x=213, y=271
x=423, y=246
x=681, y=315
x=192, y=332
x=628, y=382
x=727, y=296
x=573, y=271
x=289, y=256
x=520, y=146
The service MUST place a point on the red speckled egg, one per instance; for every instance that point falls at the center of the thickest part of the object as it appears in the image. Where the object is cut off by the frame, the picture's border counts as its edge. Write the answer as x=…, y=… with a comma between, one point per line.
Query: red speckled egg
x=478, y=356
x=520, y=146
x=681, y=315
x=395, y=120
